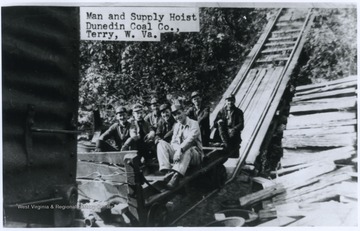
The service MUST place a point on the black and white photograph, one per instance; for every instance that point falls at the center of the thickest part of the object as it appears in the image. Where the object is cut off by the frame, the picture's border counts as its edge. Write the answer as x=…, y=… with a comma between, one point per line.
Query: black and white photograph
x=179, y=114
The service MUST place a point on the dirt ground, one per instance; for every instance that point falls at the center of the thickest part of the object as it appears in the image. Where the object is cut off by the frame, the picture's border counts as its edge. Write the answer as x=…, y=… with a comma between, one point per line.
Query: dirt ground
x=204, y=212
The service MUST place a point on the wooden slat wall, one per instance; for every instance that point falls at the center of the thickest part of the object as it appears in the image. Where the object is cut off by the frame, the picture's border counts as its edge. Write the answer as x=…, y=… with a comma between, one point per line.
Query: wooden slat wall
x=317, y=168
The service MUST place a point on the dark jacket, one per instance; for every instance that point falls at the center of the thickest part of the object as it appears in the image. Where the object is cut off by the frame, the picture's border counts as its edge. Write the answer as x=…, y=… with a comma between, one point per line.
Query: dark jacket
x=118, y=133
x=164, y=129
x=153, y=119
x=202, y=116
x=234, y=120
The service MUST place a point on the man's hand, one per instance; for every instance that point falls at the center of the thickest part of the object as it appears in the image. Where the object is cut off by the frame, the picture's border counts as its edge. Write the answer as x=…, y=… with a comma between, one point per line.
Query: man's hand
x=97, y=150
x=177, y=155
x=149, y=137
x=231, y=132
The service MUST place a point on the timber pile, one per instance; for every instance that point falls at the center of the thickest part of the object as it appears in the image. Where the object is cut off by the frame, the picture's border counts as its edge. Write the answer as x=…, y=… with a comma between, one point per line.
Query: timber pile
x=317, y=182
x=101, y=180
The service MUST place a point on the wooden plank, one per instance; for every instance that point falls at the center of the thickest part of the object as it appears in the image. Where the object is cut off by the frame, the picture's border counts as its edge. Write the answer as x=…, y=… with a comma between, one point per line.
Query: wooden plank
x=255, y=126
x=326, y=84
x=321, y=120
x=280, y=44
x=328, y=88
x=265, y=183
x=287, y=170
x=250, y=92
x=283, y=38
x=326, y=94
x=322, y=181
x=101, y=190
x=348, y=189
x=328, y=155
x=273, y=59
x=276, y=50
x=276, y=95
x=318, y=131
x=105, y=157
x=338, y=100
x=321, y=140
x=335, y=105
x=89, y=170
x=261, y=195
x=305, y=174
x=246, y=66
x=278, y=222
x=286, y=31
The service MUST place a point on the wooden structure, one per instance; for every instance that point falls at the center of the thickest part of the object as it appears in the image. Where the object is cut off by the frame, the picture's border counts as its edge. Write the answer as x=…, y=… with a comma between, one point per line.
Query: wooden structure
x=263, y=78
x=317, y=182
x=134, y=194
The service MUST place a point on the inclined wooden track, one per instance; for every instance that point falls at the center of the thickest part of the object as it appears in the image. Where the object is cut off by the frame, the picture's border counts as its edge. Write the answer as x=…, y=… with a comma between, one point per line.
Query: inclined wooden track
x=263, y=77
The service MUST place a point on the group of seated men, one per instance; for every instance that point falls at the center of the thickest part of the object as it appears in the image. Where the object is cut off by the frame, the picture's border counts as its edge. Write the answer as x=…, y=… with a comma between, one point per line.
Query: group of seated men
x=176, y=135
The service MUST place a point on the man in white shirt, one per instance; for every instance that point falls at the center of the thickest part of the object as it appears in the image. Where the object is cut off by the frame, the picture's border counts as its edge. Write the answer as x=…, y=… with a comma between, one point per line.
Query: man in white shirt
x=184, y=149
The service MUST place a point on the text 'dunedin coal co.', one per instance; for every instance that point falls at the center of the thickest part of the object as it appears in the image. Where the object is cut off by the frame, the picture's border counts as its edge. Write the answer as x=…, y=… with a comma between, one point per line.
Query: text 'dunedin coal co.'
x=135, y=23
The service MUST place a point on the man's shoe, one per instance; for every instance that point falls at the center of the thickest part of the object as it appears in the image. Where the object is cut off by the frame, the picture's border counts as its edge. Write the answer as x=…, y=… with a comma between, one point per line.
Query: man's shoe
x=174, y=181
x=168, y=176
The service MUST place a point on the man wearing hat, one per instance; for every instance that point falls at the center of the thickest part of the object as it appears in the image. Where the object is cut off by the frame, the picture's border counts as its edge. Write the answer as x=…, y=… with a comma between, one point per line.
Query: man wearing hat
x=142, y=137
x=185, y=148
x=165, y=125
x=200, y=113
x=119, y=132
x=153, y=117
x=230, y=122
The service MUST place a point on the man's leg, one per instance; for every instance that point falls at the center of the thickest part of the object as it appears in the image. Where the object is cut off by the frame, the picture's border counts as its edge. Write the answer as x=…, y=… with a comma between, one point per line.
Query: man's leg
x=164, y=154
x=192, y=156
x=224, y=134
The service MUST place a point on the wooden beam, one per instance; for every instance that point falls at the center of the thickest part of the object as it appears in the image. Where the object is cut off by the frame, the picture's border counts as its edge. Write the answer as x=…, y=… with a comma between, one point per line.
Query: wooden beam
x=328, y=155
x=101, y=190
x=105, y=157
x=305, y=174
x=89, y=170
x=321, y=120
x=323, y=181
x=331, y=105
x=247, y=65
x=322, y=131
x=352, y=78
x=326, y=94
x=321, y=140
x=261, y=195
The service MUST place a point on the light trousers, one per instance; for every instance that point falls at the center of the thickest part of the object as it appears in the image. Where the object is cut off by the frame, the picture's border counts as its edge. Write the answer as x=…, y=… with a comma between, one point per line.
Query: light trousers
x=165, y=155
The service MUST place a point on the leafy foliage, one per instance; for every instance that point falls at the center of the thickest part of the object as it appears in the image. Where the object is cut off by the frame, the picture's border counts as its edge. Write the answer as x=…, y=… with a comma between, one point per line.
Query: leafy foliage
x=115, y=73
x=330, y=49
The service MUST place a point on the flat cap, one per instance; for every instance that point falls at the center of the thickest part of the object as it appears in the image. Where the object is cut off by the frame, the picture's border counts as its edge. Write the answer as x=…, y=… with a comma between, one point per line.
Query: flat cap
x=164, y=107
x=120, y=109
x=194, y=94
x=137, y=107
x=230, y=97
x=176, y=107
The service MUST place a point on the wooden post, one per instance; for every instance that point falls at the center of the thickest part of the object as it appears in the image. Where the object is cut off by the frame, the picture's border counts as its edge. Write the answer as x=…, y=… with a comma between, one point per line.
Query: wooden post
x=136, y=200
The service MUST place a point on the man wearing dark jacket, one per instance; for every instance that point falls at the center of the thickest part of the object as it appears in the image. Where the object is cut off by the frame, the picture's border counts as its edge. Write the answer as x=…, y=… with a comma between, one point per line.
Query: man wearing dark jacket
x=230, y=122
x=165, y=125
x=200, y=113
x=141, y=134
x=119, y=132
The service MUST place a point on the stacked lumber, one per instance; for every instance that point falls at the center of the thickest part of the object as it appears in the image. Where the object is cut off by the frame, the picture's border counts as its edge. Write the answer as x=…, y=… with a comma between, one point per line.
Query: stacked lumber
x=317, y=182
x=101, y=179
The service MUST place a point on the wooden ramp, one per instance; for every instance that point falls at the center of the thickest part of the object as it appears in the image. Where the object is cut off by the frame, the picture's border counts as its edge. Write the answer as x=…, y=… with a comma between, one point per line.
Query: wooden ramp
x=263, y=77
x=317, y=182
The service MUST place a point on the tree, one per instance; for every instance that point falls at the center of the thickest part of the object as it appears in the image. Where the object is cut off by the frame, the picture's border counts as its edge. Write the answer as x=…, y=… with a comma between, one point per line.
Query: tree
x=126, y=72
